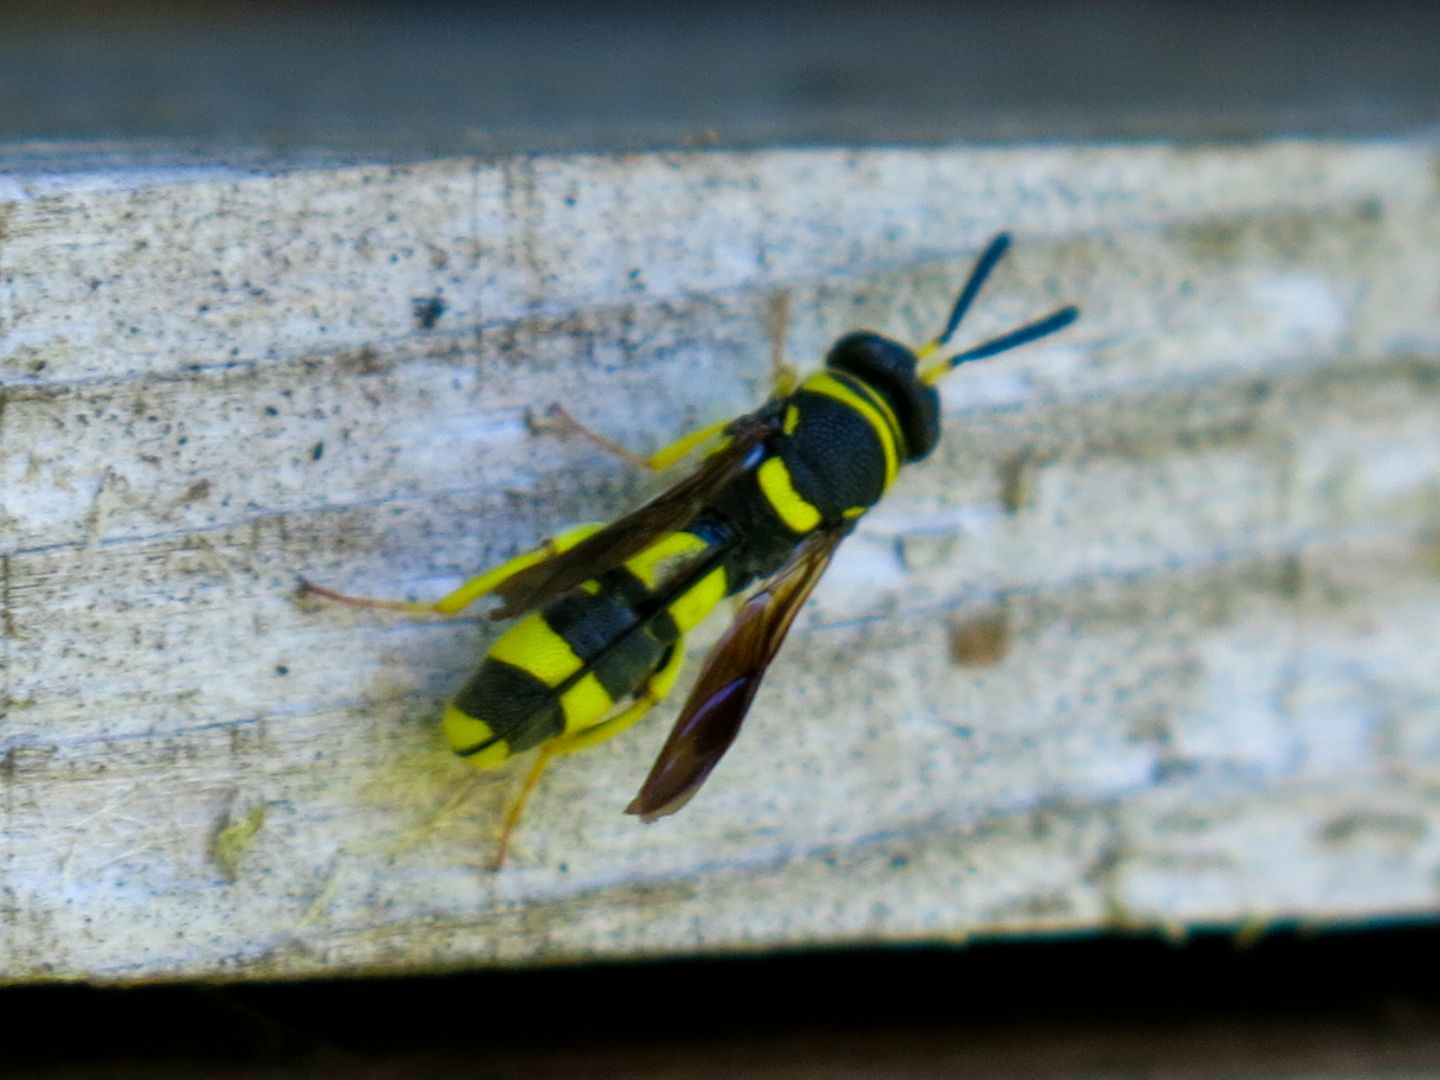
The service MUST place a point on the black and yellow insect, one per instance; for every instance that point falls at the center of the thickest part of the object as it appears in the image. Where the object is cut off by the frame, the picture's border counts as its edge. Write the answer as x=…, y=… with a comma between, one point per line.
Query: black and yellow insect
x=606, y=607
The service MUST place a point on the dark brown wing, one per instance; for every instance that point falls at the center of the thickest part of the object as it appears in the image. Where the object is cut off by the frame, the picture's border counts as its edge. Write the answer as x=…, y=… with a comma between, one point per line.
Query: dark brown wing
x=620, y=540
x=722, y=695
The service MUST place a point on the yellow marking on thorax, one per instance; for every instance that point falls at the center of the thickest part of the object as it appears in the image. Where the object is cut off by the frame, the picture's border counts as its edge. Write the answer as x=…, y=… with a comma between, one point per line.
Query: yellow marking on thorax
x=779, y=489
x=875, y=411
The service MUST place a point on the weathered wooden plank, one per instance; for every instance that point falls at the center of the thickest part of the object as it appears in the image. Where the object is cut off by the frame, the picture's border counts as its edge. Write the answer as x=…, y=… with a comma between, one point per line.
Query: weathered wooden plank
x=155, y=271
x=1149, y=641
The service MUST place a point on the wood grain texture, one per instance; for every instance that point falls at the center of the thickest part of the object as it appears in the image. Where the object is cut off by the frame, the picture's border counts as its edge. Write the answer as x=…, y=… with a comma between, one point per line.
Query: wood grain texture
x=1201, y=530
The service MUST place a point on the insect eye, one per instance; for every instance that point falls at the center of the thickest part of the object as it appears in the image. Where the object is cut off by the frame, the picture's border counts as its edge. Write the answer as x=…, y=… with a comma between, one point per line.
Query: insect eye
x=889, y=368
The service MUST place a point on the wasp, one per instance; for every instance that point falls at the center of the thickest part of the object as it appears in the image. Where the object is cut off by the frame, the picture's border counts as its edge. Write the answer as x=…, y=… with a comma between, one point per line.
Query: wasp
x=606, y=608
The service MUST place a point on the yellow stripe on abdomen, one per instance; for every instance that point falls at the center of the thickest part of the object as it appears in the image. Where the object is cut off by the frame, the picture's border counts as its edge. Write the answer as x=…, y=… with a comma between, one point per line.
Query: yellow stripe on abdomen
x=653, y=565
x=463, y=731
x=699, y=600
x=532, y=646
x=585, y=704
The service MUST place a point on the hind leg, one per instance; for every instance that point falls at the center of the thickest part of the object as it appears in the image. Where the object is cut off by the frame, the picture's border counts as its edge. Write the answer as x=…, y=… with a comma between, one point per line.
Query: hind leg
x=652, y=692
x=455, y=602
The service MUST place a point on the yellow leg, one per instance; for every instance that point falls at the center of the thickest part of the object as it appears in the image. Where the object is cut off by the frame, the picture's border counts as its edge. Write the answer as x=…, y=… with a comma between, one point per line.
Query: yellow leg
x=477, y=587
x=517, y=808
x=553, y=749
x=565, y=745
x=661, y=459
x=455, y=602
x=656, y=687
x=685, y=445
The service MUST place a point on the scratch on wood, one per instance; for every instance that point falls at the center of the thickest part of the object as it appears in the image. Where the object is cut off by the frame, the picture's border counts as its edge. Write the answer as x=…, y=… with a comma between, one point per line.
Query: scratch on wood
x=322, y=897
x=1017, y=481
x=195, y=492
x=95, y=514
x=233, y=839
x=225, y=566
x=982, y=640
x=7, y=632
x=1403, y=830
x=7, y=615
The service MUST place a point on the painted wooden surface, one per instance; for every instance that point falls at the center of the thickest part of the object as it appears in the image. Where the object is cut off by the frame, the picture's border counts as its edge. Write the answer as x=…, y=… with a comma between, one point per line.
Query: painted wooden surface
x=1150, y=641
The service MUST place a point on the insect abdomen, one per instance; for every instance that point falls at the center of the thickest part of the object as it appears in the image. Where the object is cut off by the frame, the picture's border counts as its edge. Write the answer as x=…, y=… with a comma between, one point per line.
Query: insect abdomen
x=563, y=669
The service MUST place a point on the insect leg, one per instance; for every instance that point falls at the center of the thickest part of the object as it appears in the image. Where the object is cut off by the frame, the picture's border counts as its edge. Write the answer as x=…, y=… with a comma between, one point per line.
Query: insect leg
x=654, y=689
x=685, y=445
x=477, y=587
x=455, y=602
x=517, y=808
x=661, y=459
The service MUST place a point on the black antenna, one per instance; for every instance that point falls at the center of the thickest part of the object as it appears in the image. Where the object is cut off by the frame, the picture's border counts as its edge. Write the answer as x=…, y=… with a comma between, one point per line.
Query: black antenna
x=1052, y=323
x=983, y=266
x=1015, y=338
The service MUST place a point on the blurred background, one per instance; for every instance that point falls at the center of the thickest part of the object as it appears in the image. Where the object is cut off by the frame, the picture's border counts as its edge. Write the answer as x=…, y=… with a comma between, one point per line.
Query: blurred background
x=438, y=78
